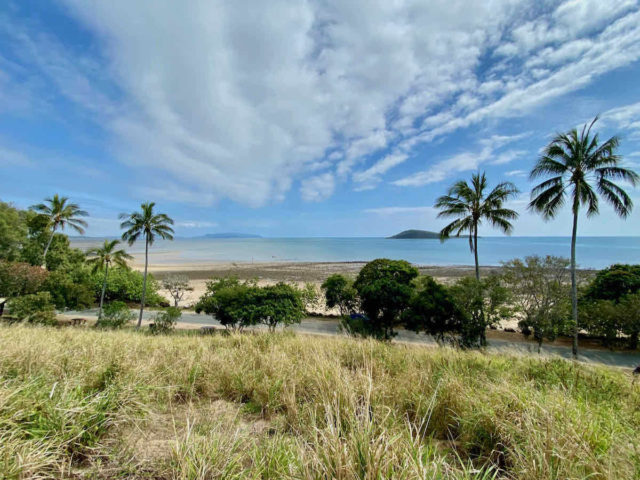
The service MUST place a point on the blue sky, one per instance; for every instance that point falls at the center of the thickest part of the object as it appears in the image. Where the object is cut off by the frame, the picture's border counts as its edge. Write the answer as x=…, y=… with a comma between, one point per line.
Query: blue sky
x=316, y=118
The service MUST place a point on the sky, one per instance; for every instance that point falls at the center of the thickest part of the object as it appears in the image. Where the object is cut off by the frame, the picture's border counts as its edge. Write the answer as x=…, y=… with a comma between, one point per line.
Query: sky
x=306, y=118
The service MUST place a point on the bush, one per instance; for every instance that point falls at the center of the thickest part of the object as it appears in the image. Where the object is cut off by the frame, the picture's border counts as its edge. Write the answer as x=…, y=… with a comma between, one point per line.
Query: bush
x=433, y=311
x=71, y=287
x=614, y=282
x=125, y=285
x=165, y=322
x=384, y=288
x=17, y=278
x=238, y=305
x=36, y=308
x=339, y=292
x=115, y=315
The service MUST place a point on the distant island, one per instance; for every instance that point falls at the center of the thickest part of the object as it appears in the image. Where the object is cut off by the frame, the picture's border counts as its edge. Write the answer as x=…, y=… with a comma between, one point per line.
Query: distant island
x=231, y=235
x=416, y=234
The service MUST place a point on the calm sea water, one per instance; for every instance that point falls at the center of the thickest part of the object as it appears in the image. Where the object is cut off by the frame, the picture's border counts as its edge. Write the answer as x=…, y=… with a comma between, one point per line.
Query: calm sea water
x=592, y=252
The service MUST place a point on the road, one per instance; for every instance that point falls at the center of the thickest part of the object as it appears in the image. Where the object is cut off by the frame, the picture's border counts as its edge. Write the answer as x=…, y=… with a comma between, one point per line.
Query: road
x=329, y=326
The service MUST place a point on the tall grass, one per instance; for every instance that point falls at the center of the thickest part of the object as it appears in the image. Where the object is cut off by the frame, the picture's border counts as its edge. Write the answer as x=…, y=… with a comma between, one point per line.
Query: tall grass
x=88, y=404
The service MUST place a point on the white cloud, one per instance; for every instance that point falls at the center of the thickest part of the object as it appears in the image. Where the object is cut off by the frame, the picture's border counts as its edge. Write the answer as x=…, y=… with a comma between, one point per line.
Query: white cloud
x=626, y=117
x=516, y=173
x=401, y=210
x=240, y=99
x=465, y=161
x=317, y=188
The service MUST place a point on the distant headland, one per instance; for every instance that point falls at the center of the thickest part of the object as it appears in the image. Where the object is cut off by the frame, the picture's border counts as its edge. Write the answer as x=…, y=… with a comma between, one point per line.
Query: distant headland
x=416, y=234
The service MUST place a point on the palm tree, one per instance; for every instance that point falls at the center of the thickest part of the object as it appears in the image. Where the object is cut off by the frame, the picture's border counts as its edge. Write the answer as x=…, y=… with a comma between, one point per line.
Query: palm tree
x=148, y=224
x=102, y=257
x=471, y=205
x=59, y=214
x=579, y=167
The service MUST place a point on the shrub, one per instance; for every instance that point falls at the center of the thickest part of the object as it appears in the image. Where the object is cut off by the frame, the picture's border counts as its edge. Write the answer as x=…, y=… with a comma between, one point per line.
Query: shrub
x=17, y=278
x=165, y=322
x=482, y=302
x=125, y=285
x=614, y=282
x=36, y=308
x=540, y=288
x=115, y=315
x=384, y=288
x=339, y=292
x=71, y=287
x=433, y=311
x=238, y=305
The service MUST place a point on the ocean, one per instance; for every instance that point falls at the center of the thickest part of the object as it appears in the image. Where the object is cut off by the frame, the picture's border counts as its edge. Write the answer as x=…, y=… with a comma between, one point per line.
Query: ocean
x=592, y=252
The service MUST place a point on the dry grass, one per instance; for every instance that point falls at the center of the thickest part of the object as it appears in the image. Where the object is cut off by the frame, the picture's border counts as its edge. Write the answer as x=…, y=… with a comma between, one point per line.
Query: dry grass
x=87, y=404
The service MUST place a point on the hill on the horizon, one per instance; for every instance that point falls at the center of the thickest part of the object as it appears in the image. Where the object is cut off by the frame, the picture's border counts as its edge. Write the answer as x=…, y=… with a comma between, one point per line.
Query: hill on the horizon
x=231, y=235
x=416, y=234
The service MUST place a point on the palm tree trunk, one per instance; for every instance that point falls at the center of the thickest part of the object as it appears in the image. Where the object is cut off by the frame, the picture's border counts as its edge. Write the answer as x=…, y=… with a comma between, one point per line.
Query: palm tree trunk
x=144, y=279
x=475, y=251
x=104, y=288
x=574, y=286
x=46, y=249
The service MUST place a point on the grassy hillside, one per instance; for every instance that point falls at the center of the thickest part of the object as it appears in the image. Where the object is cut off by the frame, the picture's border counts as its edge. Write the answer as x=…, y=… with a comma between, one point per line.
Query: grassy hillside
x=88, y=404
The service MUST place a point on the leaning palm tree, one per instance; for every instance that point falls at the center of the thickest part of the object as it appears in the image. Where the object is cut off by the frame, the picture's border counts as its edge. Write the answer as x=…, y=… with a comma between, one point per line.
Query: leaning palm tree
x=579, y=166
x=149, y=225
x=102, y=257
x=59, y=214
x=471, y=205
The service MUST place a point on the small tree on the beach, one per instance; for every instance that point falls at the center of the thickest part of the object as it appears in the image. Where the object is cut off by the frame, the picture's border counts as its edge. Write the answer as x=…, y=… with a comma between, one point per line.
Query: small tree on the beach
x=101, y=258
x=339, y=292
x=148, y=224
x=580, y=168
x=60, y=214
x=177, y=286
x=471, y=205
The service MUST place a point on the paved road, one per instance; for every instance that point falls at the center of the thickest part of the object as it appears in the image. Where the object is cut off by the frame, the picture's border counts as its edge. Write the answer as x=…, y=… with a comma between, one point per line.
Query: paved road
x=325, y=326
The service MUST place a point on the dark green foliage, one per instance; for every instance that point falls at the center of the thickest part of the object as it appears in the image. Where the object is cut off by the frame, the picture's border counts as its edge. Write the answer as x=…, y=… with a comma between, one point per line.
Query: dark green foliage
x=412, y=234
x=384, y=288
x=339, y=292
x=13, y=232
x=18, y=278
x=617, y=323
x=36, y=308
x=165, y=322
x=126, y=285
x=614, y=282
x=115, y=315
x=237, y=305
x=71, y=287
x=432, y=310
x=483, y=303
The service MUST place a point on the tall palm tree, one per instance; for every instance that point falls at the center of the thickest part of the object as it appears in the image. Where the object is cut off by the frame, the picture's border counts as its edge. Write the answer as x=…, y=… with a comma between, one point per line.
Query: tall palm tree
x=579, y=166
x=102, y=257
x=472, y=206
x=60, y=214
x=148, y=224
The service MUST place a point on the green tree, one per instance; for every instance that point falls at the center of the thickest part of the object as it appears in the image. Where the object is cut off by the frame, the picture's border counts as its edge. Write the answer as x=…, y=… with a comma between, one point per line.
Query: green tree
x=384, y=288
x=614, y=282
x=36, y=308
x=100, y=258
x=472, y=205
x=540, y=288
x=580, y=168
x=165, y=321
x=17, y=278
x=13, y=232
x=148, y=224
x=60, y=214
x=482, y=302
x=339, y=292
x=276, y=304
x=229, y=301
x=116, y=315
x=432, y=310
